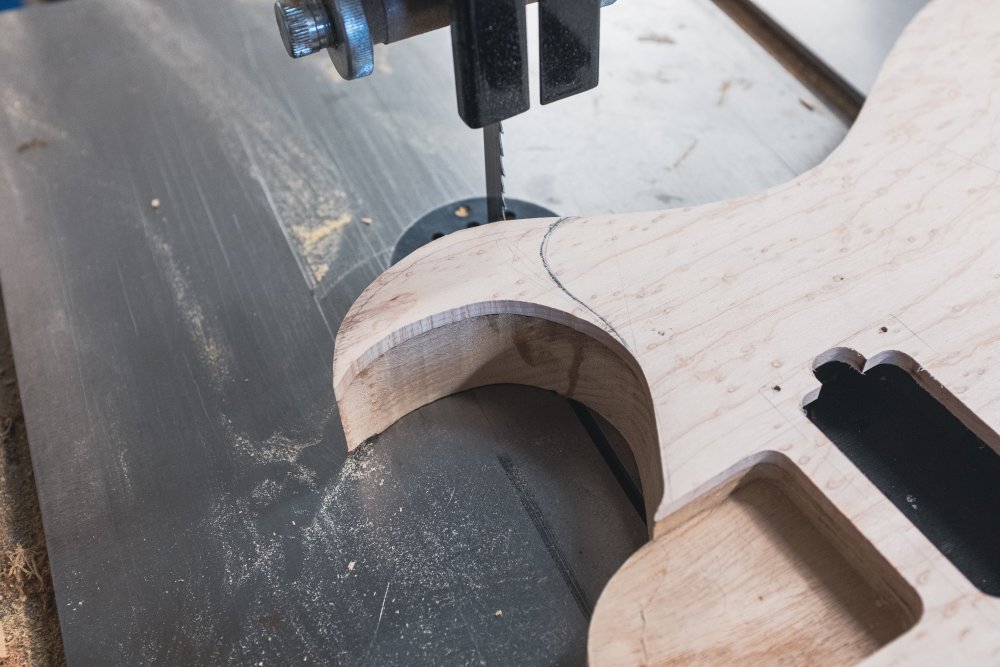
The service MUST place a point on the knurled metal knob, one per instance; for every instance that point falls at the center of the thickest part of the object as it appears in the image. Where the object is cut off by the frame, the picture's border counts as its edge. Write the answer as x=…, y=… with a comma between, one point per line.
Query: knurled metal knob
x=305, y=28
x=340, y=26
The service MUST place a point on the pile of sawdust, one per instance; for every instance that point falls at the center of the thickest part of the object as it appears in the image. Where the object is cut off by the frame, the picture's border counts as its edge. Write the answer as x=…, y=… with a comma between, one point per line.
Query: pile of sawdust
x=25, y=566
x=29, y=624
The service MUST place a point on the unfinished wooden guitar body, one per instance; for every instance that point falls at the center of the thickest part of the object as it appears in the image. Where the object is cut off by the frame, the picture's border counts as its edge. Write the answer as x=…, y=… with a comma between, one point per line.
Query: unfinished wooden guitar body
x=695, y=332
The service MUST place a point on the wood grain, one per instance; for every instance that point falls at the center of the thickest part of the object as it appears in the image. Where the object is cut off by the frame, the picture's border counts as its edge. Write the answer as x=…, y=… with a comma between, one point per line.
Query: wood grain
x=718, y=312
x=759, y=578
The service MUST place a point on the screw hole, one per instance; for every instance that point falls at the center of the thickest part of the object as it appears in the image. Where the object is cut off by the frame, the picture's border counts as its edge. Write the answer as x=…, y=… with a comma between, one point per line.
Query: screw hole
x=436, y=235
x=883, y=329
x=472, y=224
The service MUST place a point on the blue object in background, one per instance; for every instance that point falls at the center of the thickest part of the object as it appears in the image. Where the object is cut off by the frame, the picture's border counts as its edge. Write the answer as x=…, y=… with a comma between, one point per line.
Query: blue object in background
x=10, y=4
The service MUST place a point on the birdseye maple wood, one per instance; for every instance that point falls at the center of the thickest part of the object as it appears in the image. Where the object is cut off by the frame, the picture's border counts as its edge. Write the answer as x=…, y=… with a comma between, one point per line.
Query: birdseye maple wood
x=694, y=332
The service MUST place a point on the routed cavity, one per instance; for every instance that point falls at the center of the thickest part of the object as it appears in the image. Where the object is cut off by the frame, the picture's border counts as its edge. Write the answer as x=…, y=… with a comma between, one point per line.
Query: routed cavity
x=942, y=476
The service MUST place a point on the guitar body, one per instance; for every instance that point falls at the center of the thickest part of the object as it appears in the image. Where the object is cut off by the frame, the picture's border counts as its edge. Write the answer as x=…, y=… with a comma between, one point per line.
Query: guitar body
x=696, y=332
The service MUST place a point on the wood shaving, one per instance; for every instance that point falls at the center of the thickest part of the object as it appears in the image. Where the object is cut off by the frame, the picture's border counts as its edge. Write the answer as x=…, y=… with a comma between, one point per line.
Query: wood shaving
x=34, y=142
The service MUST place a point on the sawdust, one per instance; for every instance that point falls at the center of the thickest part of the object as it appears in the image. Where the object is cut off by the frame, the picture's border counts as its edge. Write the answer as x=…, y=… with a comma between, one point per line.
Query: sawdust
x=360, y=466
x=29, y=625
x=684, y=156
x=723, y=91
x=310, y=237
x=25, y=566
x=278, y=460
x=657, y=38
x=212, y=352
x=32, y=143
x=253, y=548
x=301, y=182
x=320, y=242
x=345, y=514
x=727, y=85
x=278, y=450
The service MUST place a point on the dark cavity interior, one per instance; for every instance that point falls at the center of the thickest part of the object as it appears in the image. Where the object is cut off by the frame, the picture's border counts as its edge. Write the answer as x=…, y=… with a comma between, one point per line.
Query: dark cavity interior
x=940, y=474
